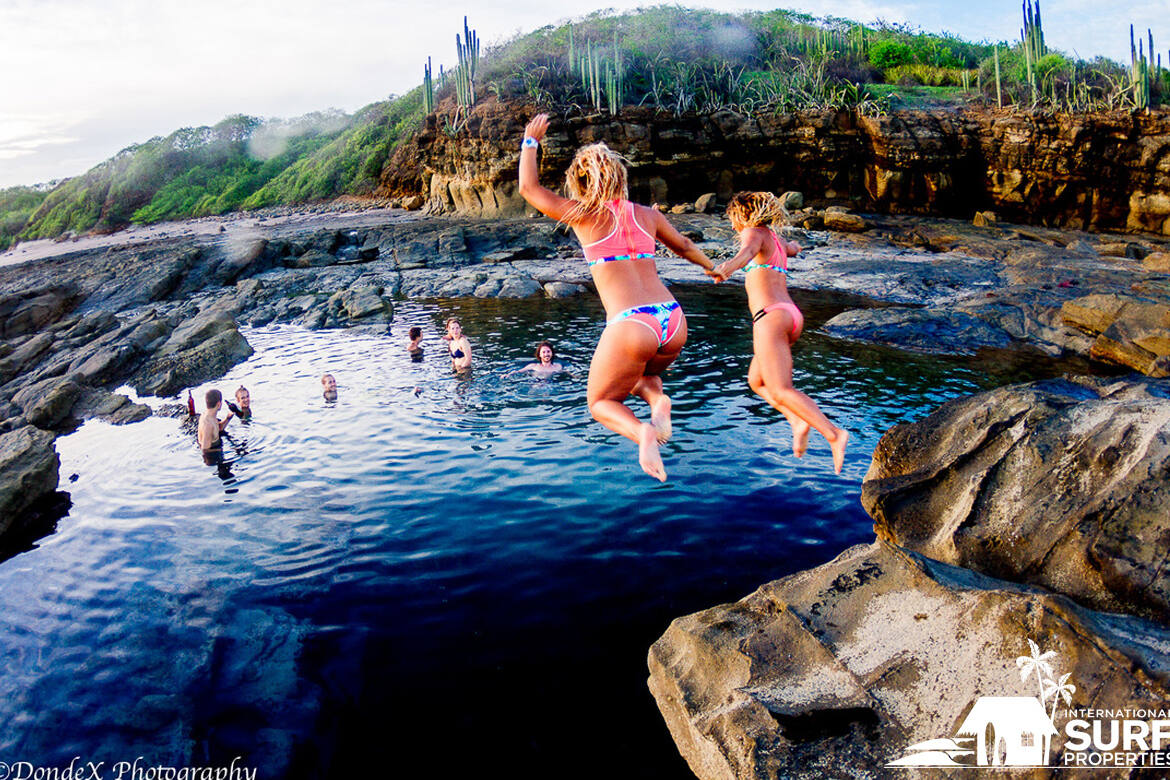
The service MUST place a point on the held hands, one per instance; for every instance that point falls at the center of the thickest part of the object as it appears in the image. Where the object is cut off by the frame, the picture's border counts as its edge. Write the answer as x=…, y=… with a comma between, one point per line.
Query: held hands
x=721, y=272
x=537, y=127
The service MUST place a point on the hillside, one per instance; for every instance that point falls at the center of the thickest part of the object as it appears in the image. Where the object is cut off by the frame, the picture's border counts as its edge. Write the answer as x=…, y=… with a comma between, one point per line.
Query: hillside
x=672, y=60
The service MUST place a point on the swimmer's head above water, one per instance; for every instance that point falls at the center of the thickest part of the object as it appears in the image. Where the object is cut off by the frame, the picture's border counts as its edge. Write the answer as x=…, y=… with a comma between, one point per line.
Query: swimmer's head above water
x=755, y=209
x=329, y=387
x=213, y=398
x=454, y=327
x=545, y=354
x=243, y=398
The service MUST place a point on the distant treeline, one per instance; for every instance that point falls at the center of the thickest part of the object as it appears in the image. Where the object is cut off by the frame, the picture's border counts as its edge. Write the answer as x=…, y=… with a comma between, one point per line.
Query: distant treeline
x=242, y=162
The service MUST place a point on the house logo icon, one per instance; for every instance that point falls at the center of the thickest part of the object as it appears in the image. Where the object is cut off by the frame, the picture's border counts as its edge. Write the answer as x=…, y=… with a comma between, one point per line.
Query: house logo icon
x=1002, y=731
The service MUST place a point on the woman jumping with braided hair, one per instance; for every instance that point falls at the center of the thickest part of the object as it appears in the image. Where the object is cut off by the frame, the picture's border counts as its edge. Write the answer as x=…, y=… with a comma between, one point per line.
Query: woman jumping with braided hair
x=645, y=328
x=776, y=322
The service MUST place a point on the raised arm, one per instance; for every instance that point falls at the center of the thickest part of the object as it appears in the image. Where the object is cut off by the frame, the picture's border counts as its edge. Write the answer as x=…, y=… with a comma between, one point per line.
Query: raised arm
x=678, y=243
x=541, y=198
x=749, y=247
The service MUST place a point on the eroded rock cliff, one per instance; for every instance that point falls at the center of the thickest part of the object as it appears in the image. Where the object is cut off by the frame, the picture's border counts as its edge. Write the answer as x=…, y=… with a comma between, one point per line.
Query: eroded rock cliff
x=1098, y=171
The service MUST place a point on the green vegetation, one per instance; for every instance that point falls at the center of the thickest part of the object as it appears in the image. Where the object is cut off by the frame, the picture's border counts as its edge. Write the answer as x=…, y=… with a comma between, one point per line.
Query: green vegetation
x=17, y=204
x=241, y=163
x=671, y=59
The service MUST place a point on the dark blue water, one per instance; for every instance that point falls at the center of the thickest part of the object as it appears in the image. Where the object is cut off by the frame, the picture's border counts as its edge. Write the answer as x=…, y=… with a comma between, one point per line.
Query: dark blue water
x=457, y=573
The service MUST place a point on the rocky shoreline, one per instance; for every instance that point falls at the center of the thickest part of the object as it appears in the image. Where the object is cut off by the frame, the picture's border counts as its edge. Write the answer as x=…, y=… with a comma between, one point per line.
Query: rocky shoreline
x=1033, y=512
x=1026, y=511
x=162, y=312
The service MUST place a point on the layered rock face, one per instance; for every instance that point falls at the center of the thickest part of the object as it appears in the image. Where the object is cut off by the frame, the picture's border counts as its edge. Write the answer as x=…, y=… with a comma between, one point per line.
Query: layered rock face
x=1038, y=512
x=1101, y=171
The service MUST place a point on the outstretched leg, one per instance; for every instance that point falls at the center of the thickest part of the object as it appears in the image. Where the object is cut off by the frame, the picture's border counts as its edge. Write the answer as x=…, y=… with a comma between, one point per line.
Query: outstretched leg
x=800, y=428
x=618, y=365
x=770, y=344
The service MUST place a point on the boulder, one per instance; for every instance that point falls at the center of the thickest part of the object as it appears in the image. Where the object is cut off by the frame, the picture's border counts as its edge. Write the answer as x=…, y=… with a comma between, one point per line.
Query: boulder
x=792, y=200
x=930, y=330
x=413, y=203
x=364, y=302
x=1159, y=262
x=28, y=471
x=562, y=289
x=842, y=670
x=113, y=408
x=313, y=258
x=28, y=312
x=1133, y=331
x=202, y=348
x=843, y=222
x=985, y=219
x=683, y=208
x=1060, y=483
x=705, y=203
x=50, y=403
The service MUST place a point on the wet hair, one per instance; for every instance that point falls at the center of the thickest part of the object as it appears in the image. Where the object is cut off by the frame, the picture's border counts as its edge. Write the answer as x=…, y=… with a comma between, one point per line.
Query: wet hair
x=415, y=332
x=213, y=398
x=455, y=320
x=596, y=176
x=241, y=389
x=755, y=209
x=541, y=346
x=330, y=376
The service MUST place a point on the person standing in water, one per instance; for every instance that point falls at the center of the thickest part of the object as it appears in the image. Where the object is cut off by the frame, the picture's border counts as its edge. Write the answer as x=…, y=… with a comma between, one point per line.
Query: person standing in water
x=211, y=427
x=458, y=347
x=645, y=328
x=776, y=322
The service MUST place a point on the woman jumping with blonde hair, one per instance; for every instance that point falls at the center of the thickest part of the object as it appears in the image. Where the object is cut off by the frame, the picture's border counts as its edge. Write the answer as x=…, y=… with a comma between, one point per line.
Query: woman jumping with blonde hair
x=645, y=328
x=776, y=322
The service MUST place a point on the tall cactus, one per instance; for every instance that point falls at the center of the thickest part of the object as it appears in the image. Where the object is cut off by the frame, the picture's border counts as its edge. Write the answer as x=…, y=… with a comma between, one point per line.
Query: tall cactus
x=1139, y=70
x=468, y=51
x=998, y=86
x=428, y=89
x=1032, y=42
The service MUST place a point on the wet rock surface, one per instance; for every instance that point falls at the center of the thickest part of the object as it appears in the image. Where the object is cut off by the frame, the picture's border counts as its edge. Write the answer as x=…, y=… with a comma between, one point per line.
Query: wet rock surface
x=1036, y=512
x=1063, y=483
x=834, y=672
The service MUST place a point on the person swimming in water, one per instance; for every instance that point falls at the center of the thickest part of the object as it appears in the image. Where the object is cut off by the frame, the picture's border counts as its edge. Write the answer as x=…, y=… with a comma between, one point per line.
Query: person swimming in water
x=242, y=408
x=458, y=347
x=776, y=322
x=329, y=387
x=414, y=348
x=645, y=327
x=545, y=365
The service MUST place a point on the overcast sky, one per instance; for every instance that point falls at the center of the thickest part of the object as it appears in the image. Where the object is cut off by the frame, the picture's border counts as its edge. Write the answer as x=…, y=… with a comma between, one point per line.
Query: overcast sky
x=82, y=79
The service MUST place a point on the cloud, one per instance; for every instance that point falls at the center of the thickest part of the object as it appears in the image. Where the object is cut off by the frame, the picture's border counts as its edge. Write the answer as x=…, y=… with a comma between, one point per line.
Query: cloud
x=24, y=135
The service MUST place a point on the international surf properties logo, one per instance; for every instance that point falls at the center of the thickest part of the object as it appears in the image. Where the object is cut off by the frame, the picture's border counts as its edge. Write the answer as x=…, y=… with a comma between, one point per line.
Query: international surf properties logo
x=1009, y=731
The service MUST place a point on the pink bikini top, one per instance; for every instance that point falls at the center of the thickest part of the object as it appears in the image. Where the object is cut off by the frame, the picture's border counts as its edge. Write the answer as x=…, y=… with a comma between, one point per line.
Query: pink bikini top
x=778, y=261
x=627, y=241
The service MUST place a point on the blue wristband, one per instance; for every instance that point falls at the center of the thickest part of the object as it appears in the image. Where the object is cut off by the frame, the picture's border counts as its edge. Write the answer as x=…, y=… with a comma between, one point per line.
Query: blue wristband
x=529, y=143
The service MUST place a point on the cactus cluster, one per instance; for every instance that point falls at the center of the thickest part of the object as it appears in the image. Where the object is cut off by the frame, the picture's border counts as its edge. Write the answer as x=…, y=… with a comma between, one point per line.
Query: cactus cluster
x=1140, y=70
x=1032, y=42
x=602, y=80
x=468, y=50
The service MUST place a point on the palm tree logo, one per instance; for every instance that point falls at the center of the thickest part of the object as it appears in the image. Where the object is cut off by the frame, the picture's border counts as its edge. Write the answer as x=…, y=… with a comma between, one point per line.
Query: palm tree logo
x=1037, y=663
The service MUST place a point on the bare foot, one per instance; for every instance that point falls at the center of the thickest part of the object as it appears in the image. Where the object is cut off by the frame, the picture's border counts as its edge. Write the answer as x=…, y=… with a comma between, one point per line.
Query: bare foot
x=799, y=437
x=648, y=457
x=660, y=419
x=838, y=446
